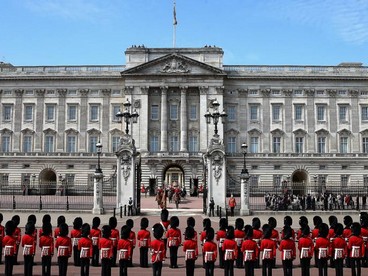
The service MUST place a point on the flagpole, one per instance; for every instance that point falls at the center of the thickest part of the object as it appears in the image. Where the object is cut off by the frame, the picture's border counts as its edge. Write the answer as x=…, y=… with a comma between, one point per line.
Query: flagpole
x=174, y=25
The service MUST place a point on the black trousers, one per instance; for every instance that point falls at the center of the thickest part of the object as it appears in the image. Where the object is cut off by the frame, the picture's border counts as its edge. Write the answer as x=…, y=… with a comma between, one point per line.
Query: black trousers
x=249, y=268
x=322, y=267
x=221, y=258
x=9, y=264
x=339, y=267
x=356, y=269
x=123, y=264
x=131, y=257
x=229, y=268
x=46, y=265
x=63, y=265
x=143, y=257
x=95, y=255
x=106, y=267
x=114, y=256
x=239, y=260
x=157, y=268
x=209, y=266
x=76, y=256
x=267, y=266
x=189, y=267
x=84, y=263
x=287, y=266
x=212, y=212
x=28, y=265
x=173, y=256
x=305, y=266
x=1, y=254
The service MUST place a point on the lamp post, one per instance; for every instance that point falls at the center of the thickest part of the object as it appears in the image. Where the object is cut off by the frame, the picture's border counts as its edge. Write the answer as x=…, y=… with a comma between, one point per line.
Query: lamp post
x=315, y=178
x=244, y=188
x=97, y=185
x=129, y=117
x=215, y=116
x=99, y=151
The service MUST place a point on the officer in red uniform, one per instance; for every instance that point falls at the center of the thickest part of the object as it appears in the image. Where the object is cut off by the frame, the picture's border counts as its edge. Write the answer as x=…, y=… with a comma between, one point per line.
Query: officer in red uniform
x=190, y=249
x=95, y=235
x=239, y=236
x=85, y=249
x=165, y=223
x=144, y=240
x=63, y=246
x=306, y=249
x=364, y=234
x=322, y=247
x=75, y=235
x=220, y=238
x=157, y=249
x=105, y=247
x=339, y=249
x=288, y=251
x=174, y=241
x=132, y=239
x=114, y=237
x=210, y=252
x=268, y=250
x=46, y=243
x=124, y=249
x=250, y=251
x=356, y=249
x=9, y=245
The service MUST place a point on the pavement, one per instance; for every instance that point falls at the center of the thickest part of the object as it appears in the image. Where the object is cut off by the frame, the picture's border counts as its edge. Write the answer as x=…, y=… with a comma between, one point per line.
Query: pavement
x=188, y=207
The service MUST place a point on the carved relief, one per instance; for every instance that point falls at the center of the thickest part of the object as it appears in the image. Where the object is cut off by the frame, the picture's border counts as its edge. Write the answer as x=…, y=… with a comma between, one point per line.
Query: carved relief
x=266, y=92
x=331, y=92
x=84, y=92
x=144, y=90
x=164, y=89
x=137, y=103
x=217, y=162
x=243, y=92
x=106, y=92
x=287, y=92
x=19, y=92
x=220, y=89
x=354, y=93
x=310, y=92
x=125, y=164
x=175, y=66
x=40, y=92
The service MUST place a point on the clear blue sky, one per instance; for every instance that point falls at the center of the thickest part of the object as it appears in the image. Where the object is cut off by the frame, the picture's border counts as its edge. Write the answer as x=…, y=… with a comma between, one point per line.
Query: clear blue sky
x=86, y=32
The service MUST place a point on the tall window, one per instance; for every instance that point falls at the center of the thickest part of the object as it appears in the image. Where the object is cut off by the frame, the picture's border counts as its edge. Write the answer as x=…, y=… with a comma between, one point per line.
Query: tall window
x=276, y=144
x=49, y=143
x=193, y=143
x=254, y=112
x=28, y=113
x=321, y=144
x=154, y=112
x=299, y=144
x=5, y=143
x=254, y=147
x=154, y=143
x=276, y=112
x=71, y=143
x=321, y=110
x=277, y=180
x=231, y=144
x=115, y=143
x=92, y=143
x=72, y=112
x=193, y=112
x=365, y=144
x=364, y=113
x=174, y=143
x=93, y=113
x=173, y=111
x=298, y=112
x=231, y=113
x=344, y=180
x=7, y=112
x=27, y=143
x=253, y=181
x=115, y=110
x=343, y=144
x=50, y=112
x=343, y=110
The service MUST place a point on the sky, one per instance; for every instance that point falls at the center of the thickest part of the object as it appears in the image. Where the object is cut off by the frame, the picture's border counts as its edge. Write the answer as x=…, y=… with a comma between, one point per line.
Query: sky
x=251, y=32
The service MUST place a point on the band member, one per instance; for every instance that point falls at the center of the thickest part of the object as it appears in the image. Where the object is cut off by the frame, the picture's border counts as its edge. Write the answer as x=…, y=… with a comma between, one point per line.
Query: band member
x=257, y=236
x=322, y=247
x=85, y=249
x=288, y=251
x=173, y=241
x=206, y=224
x=356, y=249
x=95, y=235
x=114, y=237
x=124, y=249
x=268, y=251
x=60, y=220
x=210, y=252
x=17, y=235
x=190, y=249
x=239, y=236
x=63, y=245
x=230, y=249
x=332, y=220
x=2, y=234
x=9, y=245
x=105, y=247
x=45, y=220
x=303, y=221
x=144, y=240
x=75, y=235
x=306, y=249
x=132, y=239
x=165, y=223
x=288, y=222
x=339, y=249
x=46, y=243
x=317, y=221
x=274, y=236
x=220, y=237
x=157, y=249
x=250, y=251
x=191, y=223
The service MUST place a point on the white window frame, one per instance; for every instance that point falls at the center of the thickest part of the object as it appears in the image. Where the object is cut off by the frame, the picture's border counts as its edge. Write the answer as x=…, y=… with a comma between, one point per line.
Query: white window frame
x=364, y=113
x=321, y=112
x=344, y=144
x=155, y=112
x=298, y=112
x=193, y=143
x=115, y=143
x=254, y=144
x=27, y=143
x=49, y=147
x=299, y=144
x=343, y=113
x=276, y=112
x=321, y=144
x=94, y=112
x=72, y=112
x=5, y=143
x=115, y=109
x=154, y=143
x=7, y=112
x=276, y=144
x=364, y=144
x=174, y=112
x=71, y=148
x=231, y=144
x=28, y=112
x=92, y=142
x=50, y=112
x=174, y=143
x=193, y=112
x=231, y=113
x=254, y=112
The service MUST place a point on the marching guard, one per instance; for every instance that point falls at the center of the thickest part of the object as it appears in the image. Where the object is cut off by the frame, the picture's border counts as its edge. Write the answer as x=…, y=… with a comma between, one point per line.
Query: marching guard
x=144, y=240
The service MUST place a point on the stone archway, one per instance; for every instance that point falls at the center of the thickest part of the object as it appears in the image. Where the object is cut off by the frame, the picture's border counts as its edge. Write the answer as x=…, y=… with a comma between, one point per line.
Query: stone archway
x=173, y=175
x=47, y=182
x=299, y=181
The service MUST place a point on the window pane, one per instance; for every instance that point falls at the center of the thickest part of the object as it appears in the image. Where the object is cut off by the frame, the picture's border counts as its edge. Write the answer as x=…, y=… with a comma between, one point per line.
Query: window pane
x=320, y=113
x=115, y=143
x=49, y=143
x=154, y=112
x=72, y=112
x=50, y=112
x=7, y=113
x=276, y=144
x=299, y=144
x=254, y=144
x=276, y=112
x=193, y=112
x=365, y=144
x=71, y=144
x=193, y=144
x=342, y=113
x=154, y=143
x=92, y=143
x=231, y=113
x=94, y=113
x=364, y=113
x=115, y=110
x=28, y=113
x=173, y=112
x=5, y=143
x=343, y=144
x=254, y=112
x=174, y=143
x=27, y=143
x=231, y=144
x=321, y=144
x=298, y=112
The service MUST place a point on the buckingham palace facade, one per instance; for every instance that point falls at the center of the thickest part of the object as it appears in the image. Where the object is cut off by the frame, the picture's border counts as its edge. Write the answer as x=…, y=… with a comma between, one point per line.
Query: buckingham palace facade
x=302, y=124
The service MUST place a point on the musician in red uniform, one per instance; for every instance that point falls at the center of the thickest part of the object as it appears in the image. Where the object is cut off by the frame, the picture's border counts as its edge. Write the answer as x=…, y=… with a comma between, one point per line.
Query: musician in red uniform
x=257, y=236
x=322, y=246
x=272, y=222
x=124, y=249
x=165, y=223
x=132, y=239
x=114, y=237
x=60, y=220
x=173, y=241
x=239, y=236
x=339, y=249
x=288, y=251
x=46, y=243
x=2, y=234
x=95, y=235
x=209, y=250
x=250, y=251
x=9, y=245
x=85, y=249
x=306, y=249
x=75, y=235
x=17, y=235
x=317, y=221
x=220, y=238
x=230, y=249
x=356, y=249
x=105, y=247
x=144, y=240
x=348, y=221
x=190, y=249
x=28, y=244
x=157, y=249
x=63, y=245
x=268, y=250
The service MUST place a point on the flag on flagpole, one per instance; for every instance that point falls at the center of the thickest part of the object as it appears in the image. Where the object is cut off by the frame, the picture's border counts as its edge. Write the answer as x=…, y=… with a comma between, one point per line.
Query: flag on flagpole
x=175, y=22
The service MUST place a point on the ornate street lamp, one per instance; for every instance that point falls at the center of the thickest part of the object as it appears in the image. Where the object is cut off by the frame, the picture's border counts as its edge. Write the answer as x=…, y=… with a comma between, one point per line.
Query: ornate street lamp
x=97, y=184
x=129, y=117
x=215, y=115
x=99, y=151
x=244, y=173
x=244, y=188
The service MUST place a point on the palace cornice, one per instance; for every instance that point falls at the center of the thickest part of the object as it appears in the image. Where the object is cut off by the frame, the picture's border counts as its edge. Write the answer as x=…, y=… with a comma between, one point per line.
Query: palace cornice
x=329, y=78
x=28, y=78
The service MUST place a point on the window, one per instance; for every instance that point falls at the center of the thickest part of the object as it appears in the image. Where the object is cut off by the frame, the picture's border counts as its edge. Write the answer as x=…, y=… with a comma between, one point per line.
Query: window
x=5, y=143
x=7, y=112
x=49, y=143
x=343, y=110
x=50, y=112
x=193, y=112
x=71, y=143
x=70, y=179
x=4, y=179
x=231, y=113
x=115, y=143
x=193, y=143
x=365, y=144
x=365, y=180
x=115, y=110
x=343, y=144
x=154, y=143
x=173, y=112
x=94, y=112
x=253, y=180
x=276, y=112
x=174, y=143
x=364, y=113
x=298, y=112
x=254, y=112
x=27, y=143
x=321, y=145
x=321, y=113
x=154, y=112
x=28, y=113
x=72, y=112
x=277, y=180
x=231, y=144
x=299, y=144
x=92, y=143
x=344, y=180
x=254, y=144
x=276, y=144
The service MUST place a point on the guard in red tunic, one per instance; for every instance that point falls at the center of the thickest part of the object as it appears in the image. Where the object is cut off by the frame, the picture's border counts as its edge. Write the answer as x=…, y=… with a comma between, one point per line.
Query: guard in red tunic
x=339, y=249
x=288, y=251
x=32, y=218
x=230, y=249
x=364, y=234
x=317, y=221
x=257, y=236
x=250, y=251
x=206, y=224
x=191, y=223
x=210, y=252
x=63, y=246
x=17, y=235
x=332, y=220
x=157, y=249
x=28, y=244
x=85, y=249
x=268, y=250
x=95, y=235
x=356, y=249
x=105, y=246
x=322, y=247
x=144, y=240
x=274, y=236
x=174, y=241
x=190, y=249
x=165, y=223
x=306, y=250
x=114, y=238
x=2, y=234
x=239, y=236
x=75, y=235
x=132, y=239
x=288, y=222
x=9, y=245
x=46, y=244
x=60, y=220
x=124, y=249
x=46, y=219
x=348, y=221
x=220, y=238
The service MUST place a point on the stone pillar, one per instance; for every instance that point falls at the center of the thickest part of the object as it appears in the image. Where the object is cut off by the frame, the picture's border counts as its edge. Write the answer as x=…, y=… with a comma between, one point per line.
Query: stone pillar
x=40, y=93
x=144, y=119
x=83, y=120
x=244, y=197
x=98, y=194
x=311, y=119
x=17, y=143
x=61, y=120
x=331, y=117
x=203, y=106
x=164, y=118
x=183, y=119
x=267, y=146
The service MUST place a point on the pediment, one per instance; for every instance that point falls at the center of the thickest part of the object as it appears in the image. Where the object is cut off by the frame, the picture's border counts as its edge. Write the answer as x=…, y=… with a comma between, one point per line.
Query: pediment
x=6, y=131
x=300, y=131
x=277, y=132
x=173, y=64
x=344, y=132
x=322, y=132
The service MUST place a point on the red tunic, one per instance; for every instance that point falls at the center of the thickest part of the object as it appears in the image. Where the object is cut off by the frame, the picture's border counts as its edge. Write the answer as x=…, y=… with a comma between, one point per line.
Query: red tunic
x=249, y=245
x=56, y=232
x=75, y=235
x=47, y=241
x=173, y=237
x=346, y=233
x=298, y=236
x=126, y=249
x=239, y=236
x=338, y=244
x=165, y=225
x=269, y=244
x=157, y=251
x=203, y=236
x=132, y=238
x=257, y=236
x=85, y=243
x=105, y=244
x=64, y=241
x=220, y=237
x=190, y=245
x=10, y=241
x=285, y=246
x=356, y=241
x=210, y=246
x=114, y=237
x=144, y=238
x=315, y=233
x=331, y=234
x=322, y=243
x=232, y=246
x=28, y=240
x=95, y=235
x=306, y=242
x=17, y=235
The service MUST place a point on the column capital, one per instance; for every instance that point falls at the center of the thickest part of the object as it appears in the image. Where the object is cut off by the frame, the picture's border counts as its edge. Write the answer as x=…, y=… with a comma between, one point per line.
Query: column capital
x=106, y=92
x=19, y=92
x=61, y=92
x=128, y=90
x=183, y=90
x=203, y=90
x=164, y=89
x=287, y=92
x=331, y=92
x=40, y=92
x=266, y=92
x=144, y=90
x=220, y=89
x=243, y=92
x=310, y=92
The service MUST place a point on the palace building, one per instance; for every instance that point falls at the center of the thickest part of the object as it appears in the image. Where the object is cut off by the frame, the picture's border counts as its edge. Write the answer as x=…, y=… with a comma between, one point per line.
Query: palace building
x=302, y=124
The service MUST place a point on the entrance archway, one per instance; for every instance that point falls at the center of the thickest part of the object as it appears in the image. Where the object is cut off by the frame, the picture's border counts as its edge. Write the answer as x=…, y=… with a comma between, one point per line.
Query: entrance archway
x=299, y=180
x=174, y=176
x=47, y=182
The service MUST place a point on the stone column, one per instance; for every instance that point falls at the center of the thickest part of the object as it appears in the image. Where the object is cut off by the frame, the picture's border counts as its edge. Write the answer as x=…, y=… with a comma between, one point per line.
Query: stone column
x=183, y=119
x=244, y=197
x=267, y=146
x=144, y=119
x=17, y=145
x=164, y=118
x=104, y=120
x=98, y=194
x=311, y=119
x=61, y=120
x=39, y=118
x=203, y=106
x=355, y=142
x=331, y=117
x=83, y=120
x=288, y=120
